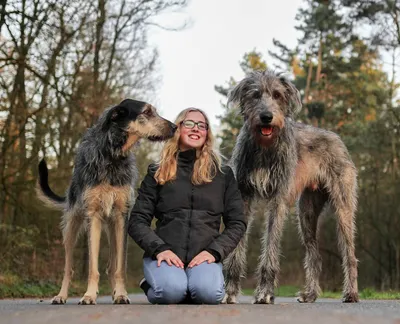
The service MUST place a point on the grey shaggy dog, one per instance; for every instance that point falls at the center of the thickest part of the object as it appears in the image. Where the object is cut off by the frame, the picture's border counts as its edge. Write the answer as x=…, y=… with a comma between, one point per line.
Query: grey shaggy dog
x=101, y=191
x=282, y=162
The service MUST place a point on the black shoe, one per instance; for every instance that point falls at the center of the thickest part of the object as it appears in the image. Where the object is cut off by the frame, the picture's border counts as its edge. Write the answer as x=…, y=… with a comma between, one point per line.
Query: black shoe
x=144, y=285
x=188, y=300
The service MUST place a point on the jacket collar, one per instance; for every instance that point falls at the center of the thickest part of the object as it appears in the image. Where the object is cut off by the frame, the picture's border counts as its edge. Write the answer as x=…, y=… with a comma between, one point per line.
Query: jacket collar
x=187, y=157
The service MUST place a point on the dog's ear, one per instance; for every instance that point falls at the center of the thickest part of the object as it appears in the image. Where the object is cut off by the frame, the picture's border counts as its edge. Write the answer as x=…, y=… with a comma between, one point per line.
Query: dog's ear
x=292, y=94
x=118, y=112
x=236, y=94
x=113, y=114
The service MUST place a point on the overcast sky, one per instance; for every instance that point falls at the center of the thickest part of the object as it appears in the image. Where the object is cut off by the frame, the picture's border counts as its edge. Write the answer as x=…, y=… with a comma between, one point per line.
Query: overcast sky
x=208, y=52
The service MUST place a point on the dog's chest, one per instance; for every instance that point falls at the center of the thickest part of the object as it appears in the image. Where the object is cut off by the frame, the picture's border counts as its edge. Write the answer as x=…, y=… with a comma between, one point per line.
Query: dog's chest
x=118, y=174
x=105, y=198
x=263, y=181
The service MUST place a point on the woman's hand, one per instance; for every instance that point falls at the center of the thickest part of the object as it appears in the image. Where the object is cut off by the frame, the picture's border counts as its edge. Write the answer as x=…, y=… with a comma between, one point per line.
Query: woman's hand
x=169, y=257
x=200, y=258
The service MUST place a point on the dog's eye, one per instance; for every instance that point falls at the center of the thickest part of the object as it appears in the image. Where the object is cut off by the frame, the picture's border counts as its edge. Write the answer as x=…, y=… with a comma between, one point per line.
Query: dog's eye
x=257, y=94
x=148, y=113
x=276, y=95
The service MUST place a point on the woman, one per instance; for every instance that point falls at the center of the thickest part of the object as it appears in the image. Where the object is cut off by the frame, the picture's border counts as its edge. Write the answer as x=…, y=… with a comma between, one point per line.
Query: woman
x=188, y=192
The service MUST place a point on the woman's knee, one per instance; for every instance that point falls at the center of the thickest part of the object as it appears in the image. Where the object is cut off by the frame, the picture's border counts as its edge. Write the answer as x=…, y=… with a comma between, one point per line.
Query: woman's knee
x=168, y=293
x=168, y=283
x=202, y=293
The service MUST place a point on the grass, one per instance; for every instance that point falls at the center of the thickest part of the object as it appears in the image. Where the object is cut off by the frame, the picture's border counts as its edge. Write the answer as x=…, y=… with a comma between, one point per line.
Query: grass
x=370, y=293
x=43, y=290
x=366, y=293
x=14, y=287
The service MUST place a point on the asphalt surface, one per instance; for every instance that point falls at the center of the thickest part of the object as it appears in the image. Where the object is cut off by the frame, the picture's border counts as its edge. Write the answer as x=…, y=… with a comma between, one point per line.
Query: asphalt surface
x=285, y=310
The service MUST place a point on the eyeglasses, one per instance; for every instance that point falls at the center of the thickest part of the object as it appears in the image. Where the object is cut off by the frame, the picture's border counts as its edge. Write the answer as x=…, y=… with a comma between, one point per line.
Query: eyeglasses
x=190, y=124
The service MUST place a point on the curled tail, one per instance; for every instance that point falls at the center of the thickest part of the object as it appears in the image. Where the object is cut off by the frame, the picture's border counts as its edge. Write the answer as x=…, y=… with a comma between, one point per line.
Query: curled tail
x=43, y=190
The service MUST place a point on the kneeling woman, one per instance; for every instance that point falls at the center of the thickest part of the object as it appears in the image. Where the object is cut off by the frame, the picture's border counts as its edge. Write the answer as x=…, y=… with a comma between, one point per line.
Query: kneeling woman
x=188, y=192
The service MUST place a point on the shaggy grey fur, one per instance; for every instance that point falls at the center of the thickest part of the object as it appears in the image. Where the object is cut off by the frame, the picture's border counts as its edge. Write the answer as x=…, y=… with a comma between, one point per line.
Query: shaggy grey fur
x=282, y=162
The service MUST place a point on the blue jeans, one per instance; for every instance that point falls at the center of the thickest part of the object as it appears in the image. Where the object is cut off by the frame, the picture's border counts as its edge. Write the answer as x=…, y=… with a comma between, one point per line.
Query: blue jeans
x=204, y=283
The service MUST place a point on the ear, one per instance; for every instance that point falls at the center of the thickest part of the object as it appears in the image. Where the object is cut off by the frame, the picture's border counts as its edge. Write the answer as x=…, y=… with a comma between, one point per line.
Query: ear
x=113, y=114
x=236, y=94
x=292, y=94
x=118, y=112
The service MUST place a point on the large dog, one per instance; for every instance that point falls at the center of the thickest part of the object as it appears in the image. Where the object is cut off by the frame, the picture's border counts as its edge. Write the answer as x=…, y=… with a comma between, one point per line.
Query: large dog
x=281, y=162
x=101, y=191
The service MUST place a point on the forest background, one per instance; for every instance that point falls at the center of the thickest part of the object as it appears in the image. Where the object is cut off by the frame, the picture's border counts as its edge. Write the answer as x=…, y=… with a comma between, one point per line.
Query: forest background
x=63, y=62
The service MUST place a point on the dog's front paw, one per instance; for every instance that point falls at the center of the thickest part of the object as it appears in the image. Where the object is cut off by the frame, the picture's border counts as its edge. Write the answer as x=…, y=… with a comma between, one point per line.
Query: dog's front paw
x=351, y=298
x=59, y=300
x=303, y=297
x=230, y=299
x=264, y=299
x=122, y=299
x=87, y=300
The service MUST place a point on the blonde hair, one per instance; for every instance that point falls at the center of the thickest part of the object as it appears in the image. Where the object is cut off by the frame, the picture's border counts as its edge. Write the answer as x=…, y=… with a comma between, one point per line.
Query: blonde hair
x=208, y=160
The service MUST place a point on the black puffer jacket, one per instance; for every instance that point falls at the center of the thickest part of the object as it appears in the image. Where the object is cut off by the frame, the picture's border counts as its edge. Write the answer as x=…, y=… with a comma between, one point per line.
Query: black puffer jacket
x=188, y=216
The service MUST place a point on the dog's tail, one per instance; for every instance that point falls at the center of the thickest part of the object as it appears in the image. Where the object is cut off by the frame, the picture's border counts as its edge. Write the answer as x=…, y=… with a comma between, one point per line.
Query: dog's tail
x=43, y=190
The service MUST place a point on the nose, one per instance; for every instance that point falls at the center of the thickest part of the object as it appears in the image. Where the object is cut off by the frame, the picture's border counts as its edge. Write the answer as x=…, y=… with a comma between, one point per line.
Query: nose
x=173, y=127
x=266, y=117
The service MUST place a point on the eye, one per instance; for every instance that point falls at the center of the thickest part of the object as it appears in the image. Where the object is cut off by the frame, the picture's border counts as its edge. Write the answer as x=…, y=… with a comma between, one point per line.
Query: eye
x=276, y=95
x=188, y=123
x=257, y=94
x=148, y=112
x=202, y=126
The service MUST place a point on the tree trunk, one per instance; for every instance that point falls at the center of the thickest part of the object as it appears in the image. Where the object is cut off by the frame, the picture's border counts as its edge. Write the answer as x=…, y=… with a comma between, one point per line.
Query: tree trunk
x=309, y=76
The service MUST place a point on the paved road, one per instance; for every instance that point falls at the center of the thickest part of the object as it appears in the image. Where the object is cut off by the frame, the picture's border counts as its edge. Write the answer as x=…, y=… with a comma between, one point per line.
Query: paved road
x=285, y=310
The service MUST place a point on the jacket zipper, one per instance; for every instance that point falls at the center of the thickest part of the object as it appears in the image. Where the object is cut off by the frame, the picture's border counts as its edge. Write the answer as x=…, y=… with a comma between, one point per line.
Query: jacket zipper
x=190, y=225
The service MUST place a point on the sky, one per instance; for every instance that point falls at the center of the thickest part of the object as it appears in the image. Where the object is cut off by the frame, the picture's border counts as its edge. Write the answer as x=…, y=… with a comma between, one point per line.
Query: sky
x=207, y=52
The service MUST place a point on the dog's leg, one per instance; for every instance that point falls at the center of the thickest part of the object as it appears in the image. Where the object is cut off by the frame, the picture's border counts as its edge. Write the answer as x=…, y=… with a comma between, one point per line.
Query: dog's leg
x=94, y=246
x=120, y=295
x=310, y=207
x=235, y=263
x=344, y=200
x=346, y=245
x=268, y=267
x=112, y=255
x=71, y=226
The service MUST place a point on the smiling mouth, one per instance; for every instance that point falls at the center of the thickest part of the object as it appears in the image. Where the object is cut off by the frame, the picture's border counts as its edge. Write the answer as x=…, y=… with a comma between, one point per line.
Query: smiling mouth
x=266, y=130
x=194, y=137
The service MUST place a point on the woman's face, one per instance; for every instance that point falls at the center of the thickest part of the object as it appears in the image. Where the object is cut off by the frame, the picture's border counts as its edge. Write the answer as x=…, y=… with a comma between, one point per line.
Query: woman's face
x=193, y=135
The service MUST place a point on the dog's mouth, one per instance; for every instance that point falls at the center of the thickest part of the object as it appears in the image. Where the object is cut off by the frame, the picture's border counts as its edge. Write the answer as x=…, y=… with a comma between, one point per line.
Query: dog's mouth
x=157, y=138
x=161, y=138
x=266, y=130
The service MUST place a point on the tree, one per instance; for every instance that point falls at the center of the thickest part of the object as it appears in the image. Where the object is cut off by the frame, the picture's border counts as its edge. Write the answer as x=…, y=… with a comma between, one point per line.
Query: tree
x=344, y=89
x=62, y=63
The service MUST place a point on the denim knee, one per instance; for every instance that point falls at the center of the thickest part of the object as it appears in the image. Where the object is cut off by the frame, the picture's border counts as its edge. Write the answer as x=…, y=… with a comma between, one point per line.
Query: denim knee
x=205, y=294
x=169, y=293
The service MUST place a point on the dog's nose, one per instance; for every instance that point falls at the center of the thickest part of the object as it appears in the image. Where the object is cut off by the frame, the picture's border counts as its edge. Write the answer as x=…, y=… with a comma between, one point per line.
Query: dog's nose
x=266, y=117
x=174, y=127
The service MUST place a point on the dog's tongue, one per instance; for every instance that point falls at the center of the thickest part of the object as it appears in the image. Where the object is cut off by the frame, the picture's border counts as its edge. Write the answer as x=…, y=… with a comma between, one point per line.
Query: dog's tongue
x=266, y=131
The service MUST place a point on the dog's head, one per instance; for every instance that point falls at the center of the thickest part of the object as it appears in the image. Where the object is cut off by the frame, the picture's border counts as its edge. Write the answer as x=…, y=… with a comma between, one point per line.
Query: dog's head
x=265, y=99
x=138, y=119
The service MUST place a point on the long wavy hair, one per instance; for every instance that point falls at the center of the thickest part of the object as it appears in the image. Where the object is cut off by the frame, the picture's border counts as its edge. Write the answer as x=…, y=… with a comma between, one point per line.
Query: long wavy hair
x=207, y=163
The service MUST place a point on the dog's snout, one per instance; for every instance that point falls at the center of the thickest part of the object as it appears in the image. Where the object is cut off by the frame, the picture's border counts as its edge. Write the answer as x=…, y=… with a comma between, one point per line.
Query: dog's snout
x=173, y=127
x=266, y=117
